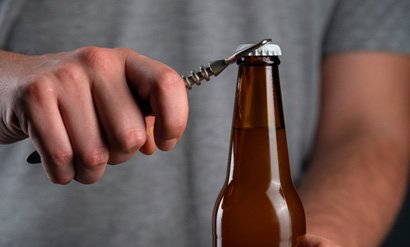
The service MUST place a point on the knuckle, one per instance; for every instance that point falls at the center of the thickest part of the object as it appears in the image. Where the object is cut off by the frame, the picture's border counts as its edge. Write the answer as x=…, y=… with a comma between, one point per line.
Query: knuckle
x=39, y=89
x=172, y=129
x=61, y=179
x=95, y=158
x=85, y=177
x=70, y=72
x=131, y=140
x=167, y=80
x=61, y=158
x=94, y=56
x=176, y=127
x=125, y=50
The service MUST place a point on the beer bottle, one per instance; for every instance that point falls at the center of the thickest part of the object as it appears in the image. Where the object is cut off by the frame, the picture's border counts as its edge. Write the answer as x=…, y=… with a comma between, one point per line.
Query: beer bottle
x=258, y=204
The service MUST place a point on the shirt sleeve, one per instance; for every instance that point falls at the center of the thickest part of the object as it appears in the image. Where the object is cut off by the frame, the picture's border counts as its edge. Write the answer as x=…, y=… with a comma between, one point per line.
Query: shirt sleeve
x=382, y=25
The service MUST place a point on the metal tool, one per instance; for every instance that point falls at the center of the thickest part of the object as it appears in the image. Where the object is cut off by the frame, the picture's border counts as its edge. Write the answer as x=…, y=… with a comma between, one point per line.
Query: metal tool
x=216, y=67
x=195, y=78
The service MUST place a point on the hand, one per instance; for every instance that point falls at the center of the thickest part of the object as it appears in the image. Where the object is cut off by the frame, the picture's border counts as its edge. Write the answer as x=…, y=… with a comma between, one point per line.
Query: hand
x=88, y=107
x=314, y=241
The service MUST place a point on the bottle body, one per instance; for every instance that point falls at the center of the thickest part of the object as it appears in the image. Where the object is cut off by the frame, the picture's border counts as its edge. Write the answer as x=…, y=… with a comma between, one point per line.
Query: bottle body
x=258, y=205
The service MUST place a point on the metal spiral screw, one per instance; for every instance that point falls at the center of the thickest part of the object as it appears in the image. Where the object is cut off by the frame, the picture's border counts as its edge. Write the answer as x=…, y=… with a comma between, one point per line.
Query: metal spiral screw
x=216, y=67
x=196, y=77
x=204, y=73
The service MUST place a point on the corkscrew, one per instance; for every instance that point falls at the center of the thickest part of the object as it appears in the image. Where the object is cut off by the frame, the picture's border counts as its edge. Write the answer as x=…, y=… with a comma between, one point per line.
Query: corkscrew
x=216, y=67
x=195, y=78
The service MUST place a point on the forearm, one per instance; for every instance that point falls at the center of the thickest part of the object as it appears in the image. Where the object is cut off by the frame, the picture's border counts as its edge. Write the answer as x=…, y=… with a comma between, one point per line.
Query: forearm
x=354, y=188
x=359, y=169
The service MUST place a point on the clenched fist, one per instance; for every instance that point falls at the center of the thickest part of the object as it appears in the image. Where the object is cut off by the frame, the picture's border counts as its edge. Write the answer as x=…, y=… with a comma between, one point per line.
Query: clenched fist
x=89, y=107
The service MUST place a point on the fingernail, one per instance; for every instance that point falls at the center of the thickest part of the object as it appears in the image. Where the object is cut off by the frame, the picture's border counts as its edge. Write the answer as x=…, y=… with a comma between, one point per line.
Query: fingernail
x=150, y=131
x=166, y=145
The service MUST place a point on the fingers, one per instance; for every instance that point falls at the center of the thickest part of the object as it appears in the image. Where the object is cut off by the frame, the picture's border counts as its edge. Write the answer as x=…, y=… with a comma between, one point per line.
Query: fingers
x=310, y=240
x=82, y=126
x=165, y=91
x=87, y=108
x=65, y=131
x=149, y=146
x=120, y=116
x=47, y=130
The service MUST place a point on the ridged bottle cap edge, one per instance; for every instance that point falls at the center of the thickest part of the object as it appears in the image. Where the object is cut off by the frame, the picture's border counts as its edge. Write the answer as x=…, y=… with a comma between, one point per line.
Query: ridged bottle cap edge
x=266, y=50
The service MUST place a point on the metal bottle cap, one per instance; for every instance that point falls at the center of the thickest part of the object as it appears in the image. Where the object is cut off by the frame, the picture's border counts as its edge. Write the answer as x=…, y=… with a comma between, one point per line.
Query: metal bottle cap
x=265, y=50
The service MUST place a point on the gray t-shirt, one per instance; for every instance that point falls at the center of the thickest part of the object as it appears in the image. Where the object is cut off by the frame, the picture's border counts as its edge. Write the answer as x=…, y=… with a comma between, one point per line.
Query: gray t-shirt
x=167, y=199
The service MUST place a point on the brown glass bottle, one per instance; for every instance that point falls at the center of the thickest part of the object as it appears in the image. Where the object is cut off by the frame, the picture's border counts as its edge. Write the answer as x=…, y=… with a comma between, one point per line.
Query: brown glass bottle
x=258, y=205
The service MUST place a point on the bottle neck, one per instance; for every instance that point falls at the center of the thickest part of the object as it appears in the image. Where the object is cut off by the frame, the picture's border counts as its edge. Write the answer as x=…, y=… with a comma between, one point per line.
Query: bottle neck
x=258, y=95
x=259, y=158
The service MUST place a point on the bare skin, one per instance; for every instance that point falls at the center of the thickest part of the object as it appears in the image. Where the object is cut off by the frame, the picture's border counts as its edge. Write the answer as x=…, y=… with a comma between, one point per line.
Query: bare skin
x=356, y=182
x=310, y=240
x=84, y=108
